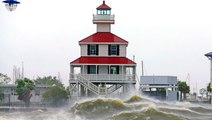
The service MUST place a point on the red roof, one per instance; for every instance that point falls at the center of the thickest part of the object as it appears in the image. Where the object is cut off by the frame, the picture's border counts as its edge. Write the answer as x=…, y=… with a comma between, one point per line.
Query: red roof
x=103, y=6
x=102, y=60
x=103, y=37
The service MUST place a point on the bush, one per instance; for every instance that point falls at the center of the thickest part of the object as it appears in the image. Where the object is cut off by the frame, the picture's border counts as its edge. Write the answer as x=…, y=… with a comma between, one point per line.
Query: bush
x=55, y=96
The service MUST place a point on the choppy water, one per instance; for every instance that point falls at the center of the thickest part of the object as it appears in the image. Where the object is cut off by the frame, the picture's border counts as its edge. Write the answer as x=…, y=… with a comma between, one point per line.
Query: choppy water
x=133, y=108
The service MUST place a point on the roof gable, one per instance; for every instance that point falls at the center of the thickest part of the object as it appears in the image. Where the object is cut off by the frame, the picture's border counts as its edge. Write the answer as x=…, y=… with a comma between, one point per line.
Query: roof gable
x=103, y=37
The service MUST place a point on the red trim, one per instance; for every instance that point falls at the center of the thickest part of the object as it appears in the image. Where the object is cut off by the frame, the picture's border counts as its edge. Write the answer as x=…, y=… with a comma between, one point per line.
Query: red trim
x=103, y=37
x=103, y=6
x=102, y=60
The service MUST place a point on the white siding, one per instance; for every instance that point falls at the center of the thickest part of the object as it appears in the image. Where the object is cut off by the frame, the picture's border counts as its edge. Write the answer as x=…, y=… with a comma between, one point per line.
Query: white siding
x=122, y=50
x=84, y=50
x=103, y=50
x=85, y=71
x=103, y=27
x=103, y=69
x=120, y=69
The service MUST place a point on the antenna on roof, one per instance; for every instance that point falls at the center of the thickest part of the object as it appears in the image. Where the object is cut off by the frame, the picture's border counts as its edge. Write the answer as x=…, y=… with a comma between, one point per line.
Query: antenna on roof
x=134, y=58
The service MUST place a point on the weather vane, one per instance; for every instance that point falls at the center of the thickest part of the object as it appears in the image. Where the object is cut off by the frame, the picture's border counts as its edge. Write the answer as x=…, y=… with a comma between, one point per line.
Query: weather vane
x=11, y=4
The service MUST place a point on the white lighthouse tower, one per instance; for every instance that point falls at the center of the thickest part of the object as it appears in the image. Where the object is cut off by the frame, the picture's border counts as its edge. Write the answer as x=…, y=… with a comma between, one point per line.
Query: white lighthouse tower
x=103, y=18
x=102, y=68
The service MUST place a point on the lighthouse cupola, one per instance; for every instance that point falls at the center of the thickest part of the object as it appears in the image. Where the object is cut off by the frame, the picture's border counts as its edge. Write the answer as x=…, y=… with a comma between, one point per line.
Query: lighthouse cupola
x=103, y=19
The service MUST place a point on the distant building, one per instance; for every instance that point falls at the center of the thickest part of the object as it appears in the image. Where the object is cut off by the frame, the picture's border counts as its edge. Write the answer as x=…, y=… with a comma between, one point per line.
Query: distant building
x=11, y=97
x=103, y=67
x=159, y=87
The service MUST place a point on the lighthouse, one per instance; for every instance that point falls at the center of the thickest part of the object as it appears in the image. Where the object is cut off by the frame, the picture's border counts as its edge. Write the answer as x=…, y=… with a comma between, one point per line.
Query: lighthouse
x=102, y=68
x=103, y=18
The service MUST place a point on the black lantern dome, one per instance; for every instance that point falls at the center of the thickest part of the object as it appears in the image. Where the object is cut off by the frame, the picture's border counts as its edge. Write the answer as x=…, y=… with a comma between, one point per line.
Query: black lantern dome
x=11, y=4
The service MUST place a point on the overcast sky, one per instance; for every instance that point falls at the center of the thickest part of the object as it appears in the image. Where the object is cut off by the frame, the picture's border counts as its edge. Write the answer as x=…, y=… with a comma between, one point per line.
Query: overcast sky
x=170, y=36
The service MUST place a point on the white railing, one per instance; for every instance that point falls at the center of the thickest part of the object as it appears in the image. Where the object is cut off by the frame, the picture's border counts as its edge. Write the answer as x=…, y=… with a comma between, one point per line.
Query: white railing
x=88, y=84
x=85, y=81
x=96, y=89
x=109, y=77
x=103, y=17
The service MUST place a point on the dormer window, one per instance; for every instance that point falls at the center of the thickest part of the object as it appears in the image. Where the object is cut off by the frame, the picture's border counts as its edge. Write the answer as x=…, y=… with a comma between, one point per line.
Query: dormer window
x=113, y=50
x=92, y=49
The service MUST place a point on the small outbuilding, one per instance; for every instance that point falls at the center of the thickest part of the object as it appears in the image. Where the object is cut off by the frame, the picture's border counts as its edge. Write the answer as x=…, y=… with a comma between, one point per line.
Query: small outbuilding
x=159, y=87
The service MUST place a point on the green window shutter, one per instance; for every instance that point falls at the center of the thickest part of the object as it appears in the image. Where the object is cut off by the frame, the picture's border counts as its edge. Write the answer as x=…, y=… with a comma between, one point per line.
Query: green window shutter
x=97, y=49
x=117, y=69
x=117, y=49
x=88, y=50
x=109, y=49
x=88, y=70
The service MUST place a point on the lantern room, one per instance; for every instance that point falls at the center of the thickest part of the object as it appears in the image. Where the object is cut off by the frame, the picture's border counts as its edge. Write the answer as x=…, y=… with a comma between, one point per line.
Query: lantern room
x=103, y=9
x=11, y=4
x=103, y=16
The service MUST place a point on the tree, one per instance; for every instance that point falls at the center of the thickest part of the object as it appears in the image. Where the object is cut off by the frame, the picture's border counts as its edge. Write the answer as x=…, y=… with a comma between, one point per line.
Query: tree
x=183, y=88
x=55, y=96
x=4, y=79
x=49, y=80
x=68, y=90
x=24, y=88
x=1, y=95
x=209, y=90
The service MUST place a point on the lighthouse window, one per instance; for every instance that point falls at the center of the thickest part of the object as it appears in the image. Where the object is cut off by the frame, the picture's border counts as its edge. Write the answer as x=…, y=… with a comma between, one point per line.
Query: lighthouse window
x=93, y=69
x=99, y=12
x=92, y=49
x=103, y=12
x=114, y=69
x=113, y=49
x=108, y=12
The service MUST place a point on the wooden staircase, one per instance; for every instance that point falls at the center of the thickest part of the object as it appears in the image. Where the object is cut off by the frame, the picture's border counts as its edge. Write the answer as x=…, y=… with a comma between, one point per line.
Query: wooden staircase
x=98, y=90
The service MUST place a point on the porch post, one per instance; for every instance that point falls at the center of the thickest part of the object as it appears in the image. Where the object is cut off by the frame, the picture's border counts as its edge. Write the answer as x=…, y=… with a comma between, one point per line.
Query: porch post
x=83, y=69
x=77, y=89
x=134, y=73
x=71, y=72
x=166, y=94
x=96, y=72
x=109, y=72
x=86, y=92
x=122, y=72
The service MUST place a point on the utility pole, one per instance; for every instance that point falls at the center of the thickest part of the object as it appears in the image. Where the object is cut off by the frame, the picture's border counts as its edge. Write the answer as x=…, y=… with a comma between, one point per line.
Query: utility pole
x=142, y=67
x=133, y=58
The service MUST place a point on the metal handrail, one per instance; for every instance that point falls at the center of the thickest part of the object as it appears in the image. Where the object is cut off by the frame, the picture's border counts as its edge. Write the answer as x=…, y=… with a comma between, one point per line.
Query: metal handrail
x=83, y=80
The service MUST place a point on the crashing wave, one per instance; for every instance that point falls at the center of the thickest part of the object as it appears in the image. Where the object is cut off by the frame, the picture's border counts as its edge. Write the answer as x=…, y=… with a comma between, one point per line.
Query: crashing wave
x=138, y=108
